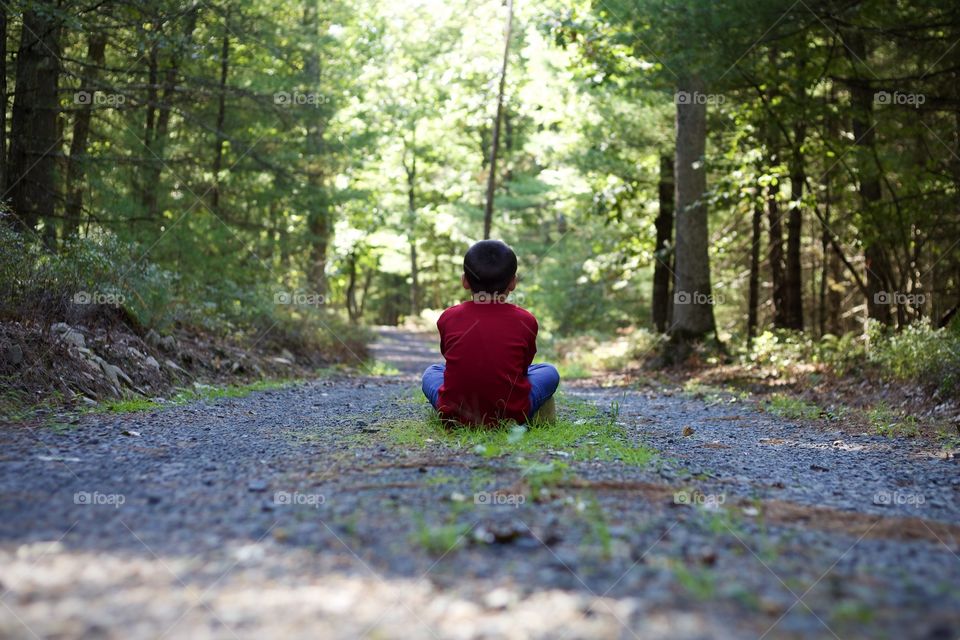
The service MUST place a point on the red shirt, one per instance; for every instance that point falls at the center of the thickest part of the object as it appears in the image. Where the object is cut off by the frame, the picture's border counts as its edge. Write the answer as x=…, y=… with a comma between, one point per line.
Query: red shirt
x=488, y=348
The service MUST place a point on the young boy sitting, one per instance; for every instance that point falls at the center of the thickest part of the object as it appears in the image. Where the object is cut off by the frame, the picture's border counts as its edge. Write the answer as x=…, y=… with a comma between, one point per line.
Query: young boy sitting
x=489, y=345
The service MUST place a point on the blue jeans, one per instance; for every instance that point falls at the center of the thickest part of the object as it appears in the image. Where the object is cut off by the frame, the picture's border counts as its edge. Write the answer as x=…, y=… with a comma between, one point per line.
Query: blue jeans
x=544, y=380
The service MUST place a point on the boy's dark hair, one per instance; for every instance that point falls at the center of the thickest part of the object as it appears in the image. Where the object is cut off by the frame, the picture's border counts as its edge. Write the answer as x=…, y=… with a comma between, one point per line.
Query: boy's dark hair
x=489, y=266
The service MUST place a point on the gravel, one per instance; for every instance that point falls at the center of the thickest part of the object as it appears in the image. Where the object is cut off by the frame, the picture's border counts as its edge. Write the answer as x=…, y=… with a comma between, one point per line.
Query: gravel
x=292, y=513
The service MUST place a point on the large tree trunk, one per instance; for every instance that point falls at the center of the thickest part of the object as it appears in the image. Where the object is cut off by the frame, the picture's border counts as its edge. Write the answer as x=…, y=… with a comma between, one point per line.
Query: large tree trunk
x=76, y=166
x=664, y=228
x=492, y=177
x=793, y=276
x=693, y=299
x=33, y=132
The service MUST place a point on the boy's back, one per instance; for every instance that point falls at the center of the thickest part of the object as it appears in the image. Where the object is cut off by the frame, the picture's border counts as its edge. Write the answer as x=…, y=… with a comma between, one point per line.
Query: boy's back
x=488, y=347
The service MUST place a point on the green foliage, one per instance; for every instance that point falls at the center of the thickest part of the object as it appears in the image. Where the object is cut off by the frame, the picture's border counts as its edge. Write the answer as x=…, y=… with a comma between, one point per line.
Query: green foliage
x=441, y=539
x=582, y=432
x=194, y=394
x=918, y=352
x=792, y=407
x=888, y=423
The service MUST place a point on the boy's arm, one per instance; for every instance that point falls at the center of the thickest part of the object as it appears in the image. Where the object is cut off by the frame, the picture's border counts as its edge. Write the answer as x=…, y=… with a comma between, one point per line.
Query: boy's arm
x=440, y=329
x=533, y=327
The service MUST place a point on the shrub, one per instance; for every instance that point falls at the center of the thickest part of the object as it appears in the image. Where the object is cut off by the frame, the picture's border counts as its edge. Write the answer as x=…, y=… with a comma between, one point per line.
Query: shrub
x=918, y=352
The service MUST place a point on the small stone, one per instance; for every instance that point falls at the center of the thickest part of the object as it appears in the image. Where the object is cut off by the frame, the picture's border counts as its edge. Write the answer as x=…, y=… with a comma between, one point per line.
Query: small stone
x=688, y=431
x=257, y=486
x=11, y=354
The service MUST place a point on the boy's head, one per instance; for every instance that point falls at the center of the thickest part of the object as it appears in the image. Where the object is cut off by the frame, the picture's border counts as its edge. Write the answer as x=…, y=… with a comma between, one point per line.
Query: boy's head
x=490, y=266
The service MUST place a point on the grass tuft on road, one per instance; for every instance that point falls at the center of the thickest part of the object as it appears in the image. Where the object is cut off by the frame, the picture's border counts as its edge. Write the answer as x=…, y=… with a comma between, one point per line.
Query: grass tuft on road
x=582, y=432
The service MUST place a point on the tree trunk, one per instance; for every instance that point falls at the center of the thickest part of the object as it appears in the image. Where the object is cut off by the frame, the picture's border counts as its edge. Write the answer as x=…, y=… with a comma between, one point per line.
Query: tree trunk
x=693, y=300
x=793, y=277
x=878, y=291
x=352, y=313
x=3, y=97
x=33, y=132
x=775, y=250
x=158, y=118
x=76, y=166
x=221, y=114
x=664, y=228
x=753, y=301
x=319, y=217
x=492, y=177
x=412, y=213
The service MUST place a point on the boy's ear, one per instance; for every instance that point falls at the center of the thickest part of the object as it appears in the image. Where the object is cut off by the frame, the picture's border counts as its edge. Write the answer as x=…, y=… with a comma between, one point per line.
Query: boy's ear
x=512, y=285
x=465, y=282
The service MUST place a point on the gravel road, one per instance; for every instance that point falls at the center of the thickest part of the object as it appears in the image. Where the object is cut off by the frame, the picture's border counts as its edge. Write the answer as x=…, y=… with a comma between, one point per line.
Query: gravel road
x=295, y=513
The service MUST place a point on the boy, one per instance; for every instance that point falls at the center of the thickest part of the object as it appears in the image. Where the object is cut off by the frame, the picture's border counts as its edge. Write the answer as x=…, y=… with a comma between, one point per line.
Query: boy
x=488, y=345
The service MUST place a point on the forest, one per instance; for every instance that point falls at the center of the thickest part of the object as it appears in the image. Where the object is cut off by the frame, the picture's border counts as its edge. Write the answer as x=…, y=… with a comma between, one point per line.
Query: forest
x=228, y=229
x=785, y=166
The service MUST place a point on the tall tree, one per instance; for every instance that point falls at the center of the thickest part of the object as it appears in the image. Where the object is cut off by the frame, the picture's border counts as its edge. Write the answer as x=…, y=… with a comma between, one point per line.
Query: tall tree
x=663, y=253
x=33, y=132
x=693, y=298
x=498, y=118
x=77, y=163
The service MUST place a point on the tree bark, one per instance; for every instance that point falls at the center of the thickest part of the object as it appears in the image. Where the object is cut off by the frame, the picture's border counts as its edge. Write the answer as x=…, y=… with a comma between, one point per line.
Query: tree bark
x=878, y=269
x=3, y=97
x=492, y=176
x=158, y=117
x=753, y=302
x=664, y=229
x=319, y=217
x=76, y=166
x=33, y=131
x=221, y=113
x=412, y=224
x=793, y=276
x=693, y=299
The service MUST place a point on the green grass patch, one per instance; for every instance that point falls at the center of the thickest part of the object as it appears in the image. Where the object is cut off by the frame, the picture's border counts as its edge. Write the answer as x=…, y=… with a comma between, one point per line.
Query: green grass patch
x=699, y=582
x=792, y=407
x=891, y=424
x=186, y=396
x=379, y=369
x=439, y=540
x=582, y=432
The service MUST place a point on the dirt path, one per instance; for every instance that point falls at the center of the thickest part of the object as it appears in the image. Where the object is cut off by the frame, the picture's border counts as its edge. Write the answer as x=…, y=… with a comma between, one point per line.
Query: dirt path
x=315, y=511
